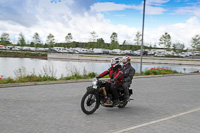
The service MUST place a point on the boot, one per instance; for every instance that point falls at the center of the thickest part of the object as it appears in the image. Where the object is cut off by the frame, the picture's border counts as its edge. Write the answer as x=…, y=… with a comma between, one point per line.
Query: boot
x=108, y=102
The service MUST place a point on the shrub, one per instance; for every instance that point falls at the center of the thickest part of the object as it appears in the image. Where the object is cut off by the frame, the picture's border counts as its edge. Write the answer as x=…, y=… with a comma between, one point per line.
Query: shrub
x=159, y=71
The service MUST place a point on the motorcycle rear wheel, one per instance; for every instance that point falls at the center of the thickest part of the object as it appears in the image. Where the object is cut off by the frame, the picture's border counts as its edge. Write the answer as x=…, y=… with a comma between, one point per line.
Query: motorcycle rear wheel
x=123, y=104
x=89, y=103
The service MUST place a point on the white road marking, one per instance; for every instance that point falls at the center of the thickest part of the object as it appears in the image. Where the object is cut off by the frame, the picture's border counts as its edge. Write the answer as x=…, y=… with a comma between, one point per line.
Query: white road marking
x=156, y=121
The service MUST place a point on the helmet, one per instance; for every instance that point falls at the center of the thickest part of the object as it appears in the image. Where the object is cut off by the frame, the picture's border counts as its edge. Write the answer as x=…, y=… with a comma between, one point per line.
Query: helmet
x=126, y=60
x=115, y=61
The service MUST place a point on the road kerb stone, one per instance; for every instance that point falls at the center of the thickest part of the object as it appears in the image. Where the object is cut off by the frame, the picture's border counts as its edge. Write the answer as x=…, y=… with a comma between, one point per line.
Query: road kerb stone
x=81, y=80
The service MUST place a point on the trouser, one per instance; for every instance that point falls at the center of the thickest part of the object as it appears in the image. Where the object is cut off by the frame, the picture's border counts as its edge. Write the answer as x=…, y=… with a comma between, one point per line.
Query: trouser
x=114, y=92
x=126, y=86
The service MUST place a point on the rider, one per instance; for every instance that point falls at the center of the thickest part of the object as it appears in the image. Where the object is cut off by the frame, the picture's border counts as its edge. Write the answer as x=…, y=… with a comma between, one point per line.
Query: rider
x=116, y=76
x=129, y=72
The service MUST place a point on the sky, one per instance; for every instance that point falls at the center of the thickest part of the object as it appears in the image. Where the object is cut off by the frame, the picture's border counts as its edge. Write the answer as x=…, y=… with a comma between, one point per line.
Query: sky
x=180, y=18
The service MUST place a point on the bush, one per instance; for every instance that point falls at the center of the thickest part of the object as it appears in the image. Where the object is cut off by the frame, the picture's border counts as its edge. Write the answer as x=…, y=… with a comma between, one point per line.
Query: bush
x=159, y=71
x=76, y=76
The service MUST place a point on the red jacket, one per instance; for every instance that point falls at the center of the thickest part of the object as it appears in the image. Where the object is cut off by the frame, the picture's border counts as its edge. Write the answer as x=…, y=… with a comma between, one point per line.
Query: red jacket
x=114, y=73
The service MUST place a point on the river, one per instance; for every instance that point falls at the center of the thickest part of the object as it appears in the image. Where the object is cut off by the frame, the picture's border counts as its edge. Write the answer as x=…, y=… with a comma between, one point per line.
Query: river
x=10, y=67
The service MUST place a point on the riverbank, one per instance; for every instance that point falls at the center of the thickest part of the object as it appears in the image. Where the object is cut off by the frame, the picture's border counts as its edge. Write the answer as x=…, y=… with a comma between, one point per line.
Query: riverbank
x=134, y=59
x=22, y=54
x=102, y=58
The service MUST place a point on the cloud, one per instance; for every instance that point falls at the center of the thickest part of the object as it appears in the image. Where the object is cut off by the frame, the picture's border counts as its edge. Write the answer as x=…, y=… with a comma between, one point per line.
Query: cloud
x=62, y=18
x=108, y=6
x=156, y=2
x=154, y=10
x=180, y=32
x=192, y=10
x=152, y=7
x=16, y=11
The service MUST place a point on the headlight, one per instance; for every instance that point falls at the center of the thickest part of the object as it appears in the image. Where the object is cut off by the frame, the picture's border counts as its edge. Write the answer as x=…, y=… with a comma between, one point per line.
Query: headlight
x=94, y=82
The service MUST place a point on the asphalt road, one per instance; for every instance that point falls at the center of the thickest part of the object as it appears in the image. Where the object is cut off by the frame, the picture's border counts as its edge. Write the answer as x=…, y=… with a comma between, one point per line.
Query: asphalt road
x=161, y=105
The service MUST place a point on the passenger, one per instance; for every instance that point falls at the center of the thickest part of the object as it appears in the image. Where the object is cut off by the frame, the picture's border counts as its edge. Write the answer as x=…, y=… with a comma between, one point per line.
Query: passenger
x=129, y=72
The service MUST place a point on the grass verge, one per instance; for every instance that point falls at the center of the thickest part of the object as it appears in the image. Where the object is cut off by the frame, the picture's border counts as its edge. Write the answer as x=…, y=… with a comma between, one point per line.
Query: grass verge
x=23, y=54
x=75, y=76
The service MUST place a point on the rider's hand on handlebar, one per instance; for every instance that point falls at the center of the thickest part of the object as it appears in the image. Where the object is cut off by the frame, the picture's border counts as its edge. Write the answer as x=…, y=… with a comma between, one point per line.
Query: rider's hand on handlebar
x=112, y=80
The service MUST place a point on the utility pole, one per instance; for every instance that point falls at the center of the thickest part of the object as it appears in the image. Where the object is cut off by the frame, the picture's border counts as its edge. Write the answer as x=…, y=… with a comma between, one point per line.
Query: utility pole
x=141, y=51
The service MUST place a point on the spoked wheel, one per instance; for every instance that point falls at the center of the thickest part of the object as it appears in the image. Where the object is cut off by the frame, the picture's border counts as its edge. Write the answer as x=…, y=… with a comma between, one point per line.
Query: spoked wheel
x=122, y=104
x=89, y=103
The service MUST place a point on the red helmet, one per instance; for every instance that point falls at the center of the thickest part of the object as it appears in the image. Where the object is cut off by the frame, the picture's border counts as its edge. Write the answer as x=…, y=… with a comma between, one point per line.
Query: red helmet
x=126, y=60
x=115, y=61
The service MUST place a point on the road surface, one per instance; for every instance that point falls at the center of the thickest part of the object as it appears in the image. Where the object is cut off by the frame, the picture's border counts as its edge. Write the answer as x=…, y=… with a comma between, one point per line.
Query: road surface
x=162, y=105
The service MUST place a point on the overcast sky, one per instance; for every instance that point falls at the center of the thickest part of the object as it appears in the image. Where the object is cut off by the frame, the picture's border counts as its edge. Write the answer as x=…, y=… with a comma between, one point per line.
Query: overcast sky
x=180, y=18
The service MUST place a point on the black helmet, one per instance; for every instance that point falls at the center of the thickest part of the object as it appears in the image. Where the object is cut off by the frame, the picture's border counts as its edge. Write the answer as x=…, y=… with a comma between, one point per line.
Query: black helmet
x=115, y=61
x=126, y=60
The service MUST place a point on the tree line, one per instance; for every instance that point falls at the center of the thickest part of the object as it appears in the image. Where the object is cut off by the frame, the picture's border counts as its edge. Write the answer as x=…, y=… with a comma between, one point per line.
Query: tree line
x=95, y=42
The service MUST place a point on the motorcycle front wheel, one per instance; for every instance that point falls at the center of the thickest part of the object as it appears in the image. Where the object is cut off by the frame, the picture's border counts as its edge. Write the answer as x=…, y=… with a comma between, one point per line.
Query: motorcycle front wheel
x=89, y=103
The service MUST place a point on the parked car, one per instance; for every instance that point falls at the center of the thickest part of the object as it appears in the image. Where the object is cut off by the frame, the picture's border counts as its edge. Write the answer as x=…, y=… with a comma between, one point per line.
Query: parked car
x=97, y=51
x=9, y=47
x=160, y=54
x=2, y=47
x=26, y=48
x=137, y=53
x=128, y=51
x=197, y=53
x=116, y=51
x=17, y=48
x=182, y=55
x=58, y=49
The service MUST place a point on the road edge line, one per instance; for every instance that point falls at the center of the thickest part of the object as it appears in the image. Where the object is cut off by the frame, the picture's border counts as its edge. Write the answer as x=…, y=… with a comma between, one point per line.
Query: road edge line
x=156, y=121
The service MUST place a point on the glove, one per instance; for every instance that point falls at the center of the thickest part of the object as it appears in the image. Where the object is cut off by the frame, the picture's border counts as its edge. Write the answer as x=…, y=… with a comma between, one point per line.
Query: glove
x=112, y=80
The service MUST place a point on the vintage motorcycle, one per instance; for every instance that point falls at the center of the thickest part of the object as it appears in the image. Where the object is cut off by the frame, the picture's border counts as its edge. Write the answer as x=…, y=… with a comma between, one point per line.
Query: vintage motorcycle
x=97, y=95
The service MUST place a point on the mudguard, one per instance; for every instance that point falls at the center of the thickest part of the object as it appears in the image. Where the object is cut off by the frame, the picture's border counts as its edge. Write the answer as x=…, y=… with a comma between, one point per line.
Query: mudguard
x=90, y=89
x=130, y=91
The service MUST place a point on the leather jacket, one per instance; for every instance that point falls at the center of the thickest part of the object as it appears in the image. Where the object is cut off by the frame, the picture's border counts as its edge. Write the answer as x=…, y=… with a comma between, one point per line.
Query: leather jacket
x=129, y=72
x=115, y=73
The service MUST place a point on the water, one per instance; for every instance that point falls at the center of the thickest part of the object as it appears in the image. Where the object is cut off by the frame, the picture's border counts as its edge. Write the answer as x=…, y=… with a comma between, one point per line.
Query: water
x=9, y=66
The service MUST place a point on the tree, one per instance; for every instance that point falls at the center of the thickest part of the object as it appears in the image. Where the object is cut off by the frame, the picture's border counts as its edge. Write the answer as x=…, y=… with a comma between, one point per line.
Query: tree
x=195, y=42
x=93, y=37
x=113, y=37
x=165, y=40
x=138, y=38
x=21, y=40
x=114, y=41
x=100, y=43
x=68, y=38
x=178, y=47
x=50, y=40
x=36, y=40
x=5, y=39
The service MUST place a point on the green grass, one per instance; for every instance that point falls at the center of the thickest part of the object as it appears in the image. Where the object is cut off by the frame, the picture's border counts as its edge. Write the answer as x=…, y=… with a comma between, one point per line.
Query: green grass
x=23, y=54
x=78, y=76
x=74, y=76
x=40, y=78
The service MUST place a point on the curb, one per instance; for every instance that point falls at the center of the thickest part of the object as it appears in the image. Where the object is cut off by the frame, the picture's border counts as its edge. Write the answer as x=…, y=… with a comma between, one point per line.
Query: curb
x=83, y=80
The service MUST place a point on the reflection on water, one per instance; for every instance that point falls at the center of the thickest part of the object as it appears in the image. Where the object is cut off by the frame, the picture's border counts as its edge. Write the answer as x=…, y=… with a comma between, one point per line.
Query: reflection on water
x=67, y=67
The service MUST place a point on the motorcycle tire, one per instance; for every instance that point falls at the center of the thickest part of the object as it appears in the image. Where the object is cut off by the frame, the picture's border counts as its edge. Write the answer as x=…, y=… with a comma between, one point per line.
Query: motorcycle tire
x=123, y=104
x=89, y=101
